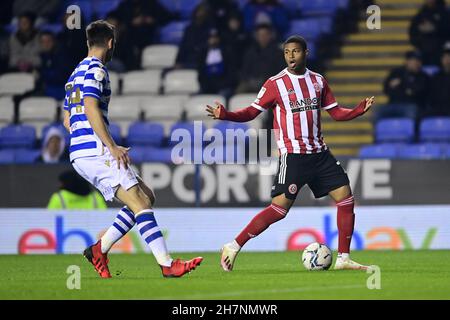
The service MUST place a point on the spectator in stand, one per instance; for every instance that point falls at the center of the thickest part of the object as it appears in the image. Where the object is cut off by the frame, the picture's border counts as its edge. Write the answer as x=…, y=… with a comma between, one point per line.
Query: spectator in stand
x=258, y=12
x=75, y=193
x=440, y=88
x=142, y=18
x=126, y=57
x=54, y=71
x=53, y=147
x=429, y=30
x=24, y=45
x=262, y=60
x=72, y=43
x=45, y=10
x=407, y=88
x=235, y=39
x=222, y=10
x=195, y=38
x=216, y=75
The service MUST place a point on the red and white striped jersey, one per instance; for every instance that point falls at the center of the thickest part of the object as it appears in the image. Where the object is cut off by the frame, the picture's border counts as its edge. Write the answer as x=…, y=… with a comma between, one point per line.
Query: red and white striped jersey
x=296, y=101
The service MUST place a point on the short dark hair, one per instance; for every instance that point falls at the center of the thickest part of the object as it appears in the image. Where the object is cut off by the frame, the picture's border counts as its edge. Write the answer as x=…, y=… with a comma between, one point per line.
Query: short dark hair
x=296, y=39
x=99, y=32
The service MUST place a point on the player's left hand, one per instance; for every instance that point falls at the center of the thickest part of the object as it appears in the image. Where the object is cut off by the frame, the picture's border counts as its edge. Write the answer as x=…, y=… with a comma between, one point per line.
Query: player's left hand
x=369, y=102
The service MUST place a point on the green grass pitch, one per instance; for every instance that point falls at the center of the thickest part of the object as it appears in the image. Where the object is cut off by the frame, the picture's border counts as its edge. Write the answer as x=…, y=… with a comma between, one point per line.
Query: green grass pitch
x=268, y=275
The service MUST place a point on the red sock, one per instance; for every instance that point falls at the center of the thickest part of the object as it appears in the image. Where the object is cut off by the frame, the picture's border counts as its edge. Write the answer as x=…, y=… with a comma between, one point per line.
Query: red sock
x=345, y=223
x=261, y=222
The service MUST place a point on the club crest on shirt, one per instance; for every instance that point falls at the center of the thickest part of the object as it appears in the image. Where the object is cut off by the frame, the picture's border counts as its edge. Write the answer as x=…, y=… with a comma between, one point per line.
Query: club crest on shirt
x=99, y=75
x=292, y=188
x=291, y=91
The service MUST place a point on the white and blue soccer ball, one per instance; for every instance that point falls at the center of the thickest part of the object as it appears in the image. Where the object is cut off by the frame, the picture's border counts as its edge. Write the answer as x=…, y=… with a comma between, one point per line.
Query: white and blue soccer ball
x=317, y=256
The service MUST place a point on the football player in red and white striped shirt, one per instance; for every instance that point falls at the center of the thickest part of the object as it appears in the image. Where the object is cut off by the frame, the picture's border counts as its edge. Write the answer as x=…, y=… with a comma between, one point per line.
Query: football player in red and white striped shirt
x=297, y=96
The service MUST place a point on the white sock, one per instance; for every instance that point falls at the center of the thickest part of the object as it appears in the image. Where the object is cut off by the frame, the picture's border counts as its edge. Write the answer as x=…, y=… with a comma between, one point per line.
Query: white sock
x=344, y=256
x=122, y=224
x=234, y=245
x=151, y=233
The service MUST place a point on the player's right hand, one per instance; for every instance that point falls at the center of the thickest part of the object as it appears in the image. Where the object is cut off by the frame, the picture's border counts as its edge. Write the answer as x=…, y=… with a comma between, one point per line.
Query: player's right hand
x=215, y=112
x=121, y=155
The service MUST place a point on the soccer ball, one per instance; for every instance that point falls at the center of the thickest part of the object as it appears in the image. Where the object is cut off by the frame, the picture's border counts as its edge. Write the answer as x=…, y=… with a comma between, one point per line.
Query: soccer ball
x=317, y=256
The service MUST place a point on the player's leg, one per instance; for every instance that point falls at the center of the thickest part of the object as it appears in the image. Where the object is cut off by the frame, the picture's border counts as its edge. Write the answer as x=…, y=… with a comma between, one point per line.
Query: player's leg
x=124, y=221
x=284, y=193
x=345, y=204
x=140, y=204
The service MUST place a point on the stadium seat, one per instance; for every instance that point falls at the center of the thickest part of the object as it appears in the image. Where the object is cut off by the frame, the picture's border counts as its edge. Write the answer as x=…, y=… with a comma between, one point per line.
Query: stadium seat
x=24, y=156
x=158, y=155
x=124, y=110
x=376, y=151
x=164, y=107
x=17, y=136
x=6, y=110
x=137, y=154
x=196, y=105
x=172, y=33
x=310, y=28
x=181, y=82
x=159, y=56
x=114, y=130
x=436, y=129
x=114, y=79
x=446, y=151
x=394, y=130
x=37, y=111
x=318, y=7
x=145, y=134
x=141, y=82
x=243, y=100
x=190, y=129
x=424, y=151
x=6, y=156
x=16, y=83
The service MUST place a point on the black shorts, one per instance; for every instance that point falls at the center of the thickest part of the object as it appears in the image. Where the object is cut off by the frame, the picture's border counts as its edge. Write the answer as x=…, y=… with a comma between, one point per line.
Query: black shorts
x=320, y=171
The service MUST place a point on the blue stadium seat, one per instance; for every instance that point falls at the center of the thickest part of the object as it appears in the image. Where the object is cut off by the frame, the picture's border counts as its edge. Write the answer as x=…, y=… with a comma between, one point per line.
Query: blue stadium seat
x=310, y=28
x=318, y=7
x=145, y=134
x=424, y=151
x=24, y=156
x=101, y=8
x=394, y=130
x=114, y=129
x=189, y=127
x=158, y=155
x=172, y=33
x=17, y=136
x=6, y=156
x=376, y=151
x=436, y=129
x=137, y=154
x=446, y=151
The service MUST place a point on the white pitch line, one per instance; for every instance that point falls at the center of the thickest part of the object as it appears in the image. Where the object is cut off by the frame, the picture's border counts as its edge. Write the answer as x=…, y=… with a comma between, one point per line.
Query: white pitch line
x=248, y=292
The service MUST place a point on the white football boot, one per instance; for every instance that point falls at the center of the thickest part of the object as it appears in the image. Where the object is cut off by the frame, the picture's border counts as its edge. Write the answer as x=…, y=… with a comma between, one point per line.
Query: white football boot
x=229, y=253
x=344, y=263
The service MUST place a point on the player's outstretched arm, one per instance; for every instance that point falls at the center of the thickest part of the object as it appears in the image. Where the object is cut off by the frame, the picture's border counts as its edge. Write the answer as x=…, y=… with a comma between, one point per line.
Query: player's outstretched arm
x=344, y=114
x=67, y=120
x=242, y=115
x=97, y=123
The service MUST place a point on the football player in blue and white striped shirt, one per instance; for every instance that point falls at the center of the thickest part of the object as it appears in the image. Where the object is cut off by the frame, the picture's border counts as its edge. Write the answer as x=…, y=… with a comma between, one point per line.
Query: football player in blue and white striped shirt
x=98, y=159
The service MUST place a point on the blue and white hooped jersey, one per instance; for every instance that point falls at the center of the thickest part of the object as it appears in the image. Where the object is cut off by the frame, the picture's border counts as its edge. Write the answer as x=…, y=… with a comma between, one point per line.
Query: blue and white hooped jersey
x=89, y=79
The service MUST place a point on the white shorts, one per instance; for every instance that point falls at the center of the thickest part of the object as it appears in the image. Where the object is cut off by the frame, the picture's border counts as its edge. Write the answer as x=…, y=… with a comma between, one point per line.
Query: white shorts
x=103, y=174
